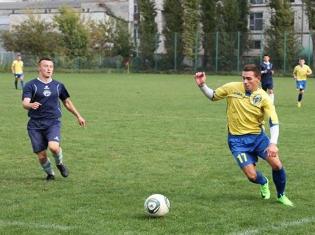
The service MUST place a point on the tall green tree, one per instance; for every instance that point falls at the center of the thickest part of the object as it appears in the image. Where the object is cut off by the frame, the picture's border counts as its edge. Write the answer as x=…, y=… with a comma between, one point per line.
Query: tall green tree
x=231, y=20
x=33, y=36
x=122, y=39
x=282, y=43
x=310, y=6
x=75, y=35
x=208, y=22
x=148, y=30
x=110, y=38
x=101, y=37
x=191, y=19
x=173, y=30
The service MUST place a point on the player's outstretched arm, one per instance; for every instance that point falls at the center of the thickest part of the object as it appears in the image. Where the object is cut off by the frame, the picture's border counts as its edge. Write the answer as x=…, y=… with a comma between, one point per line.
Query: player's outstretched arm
x=200, y=78
x=71, y=108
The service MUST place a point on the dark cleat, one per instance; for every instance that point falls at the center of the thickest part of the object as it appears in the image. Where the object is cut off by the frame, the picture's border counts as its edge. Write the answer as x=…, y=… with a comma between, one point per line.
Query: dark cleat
x=63, y=170
x=50, y=177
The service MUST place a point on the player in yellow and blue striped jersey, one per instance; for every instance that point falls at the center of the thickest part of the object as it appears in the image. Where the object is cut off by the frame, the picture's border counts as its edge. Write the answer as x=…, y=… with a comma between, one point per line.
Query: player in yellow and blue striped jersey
x=300, y=74
x=17, y=70
x=247, y=107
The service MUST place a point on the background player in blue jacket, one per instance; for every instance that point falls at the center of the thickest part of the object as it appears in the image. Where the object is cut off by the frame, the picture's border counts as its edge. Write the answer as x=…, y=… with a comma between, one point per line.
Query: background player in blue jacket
x=41, y=98
x=266, y=76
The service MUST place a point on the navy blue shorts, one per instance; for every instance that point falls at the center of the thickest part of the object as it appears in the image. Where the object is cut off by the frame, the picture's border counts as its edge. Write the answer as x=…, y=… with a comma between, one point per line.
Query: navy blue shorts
x=267, y=85
x=247, y=148
x=43, y=131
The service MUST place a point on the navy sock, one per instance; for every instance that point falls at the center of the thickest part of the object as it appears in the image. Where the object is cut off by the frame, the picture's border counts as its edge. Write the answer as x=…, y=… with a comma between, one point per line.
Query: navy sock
x=15, y=84
x=300, y=97
x=260, y=178
x=22, y=84
x=279, y=178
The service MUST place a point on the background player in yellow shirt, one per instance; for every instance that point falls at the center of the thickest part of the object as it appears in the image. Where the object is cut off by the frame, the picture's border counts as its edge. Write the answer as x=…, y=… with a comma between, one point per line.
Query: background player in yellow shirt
x=300, y=74
x=247, y=107
x=17, y=70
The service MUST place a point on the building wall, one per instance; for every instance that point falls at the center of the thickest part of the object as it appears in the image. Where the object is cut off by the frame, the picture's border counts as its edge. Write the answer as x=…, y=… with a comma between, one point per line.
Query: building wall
x=301, y=24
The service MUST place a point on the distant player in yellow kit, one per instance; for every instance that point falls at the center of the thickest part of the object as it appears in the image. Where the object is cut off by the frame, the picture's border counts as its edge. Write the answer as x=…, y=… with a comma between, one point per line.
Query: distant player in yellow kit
x=17, y=70
x=247, y=107
x=300, y=74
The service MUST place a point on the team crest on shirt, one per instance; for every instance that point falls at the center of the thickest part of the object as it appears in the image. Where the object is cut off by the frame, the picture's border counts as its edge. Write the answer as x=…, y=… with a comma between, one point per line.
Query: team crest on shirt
x=256, y=99
x=46, y=91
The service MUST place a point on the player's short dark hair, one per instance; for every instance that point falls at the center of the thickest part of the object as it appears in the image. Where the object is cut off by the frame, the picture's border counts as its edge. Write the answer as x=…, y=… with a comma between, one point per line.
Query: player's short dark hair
x=44, y=58
x=252, y=67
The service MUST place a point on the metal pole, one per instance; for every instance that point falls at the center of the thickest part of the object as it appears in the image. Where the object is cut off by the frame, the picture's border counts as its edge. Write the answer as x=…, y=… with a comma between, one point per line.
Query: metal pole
x=175, y=51
x=216, y=50
x=238, y=50
x=196, y=51
x=309, y=49
x=261, y=47
x=284, y=51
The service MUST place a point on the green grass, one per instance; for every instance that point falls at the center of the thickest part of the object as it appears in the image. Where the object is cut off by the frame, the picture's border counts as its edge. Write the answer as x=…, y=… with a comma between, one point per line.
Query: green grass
x=151, y=134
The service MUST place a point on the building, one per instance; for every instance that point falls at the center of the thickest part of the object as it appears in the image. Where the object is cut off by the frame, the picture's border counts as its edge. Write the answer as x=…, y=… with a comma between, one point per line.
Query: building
x=14, y=12
x=259, y=20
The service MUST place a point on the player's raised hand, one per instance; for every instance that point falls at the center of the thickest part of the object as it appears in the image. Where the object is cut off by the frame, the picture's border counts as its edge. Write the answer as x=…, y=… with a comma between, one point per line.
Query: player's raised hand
x=200, y=78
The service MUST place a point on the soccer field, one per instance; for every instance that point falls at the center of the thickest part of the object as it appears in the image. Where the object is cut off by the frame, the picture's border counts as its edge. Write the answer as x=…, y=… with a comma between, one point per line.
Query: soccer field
x=150, y=134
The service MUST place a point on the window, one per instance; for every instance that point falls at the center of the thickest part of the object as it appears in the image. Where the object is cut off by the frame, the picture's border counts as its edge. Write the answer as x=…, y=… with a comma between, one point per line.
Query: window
x=256, y=21
x=257, y=1
x=255, y=44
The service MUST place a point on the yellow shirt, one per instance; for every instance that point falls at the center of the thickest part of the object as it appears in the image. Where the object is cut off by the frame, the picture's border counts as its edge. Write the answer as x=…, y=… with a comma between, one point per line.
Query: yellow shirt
x=17, y=67
x=246, y=114
x=301, y=73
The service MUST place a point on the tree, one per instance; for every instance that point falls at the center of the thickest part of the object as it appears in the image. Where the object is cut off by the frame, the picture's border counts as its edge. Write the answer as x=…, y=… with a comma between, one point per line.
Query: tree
x=101, y=37
x=191, y=19
x=281, y=42
x=208, y=22
x=122, y=39
x=310, y=6
x=231, y=19
x=75, y=35
x=34, y=37
x=172, y=13
x=148, y=30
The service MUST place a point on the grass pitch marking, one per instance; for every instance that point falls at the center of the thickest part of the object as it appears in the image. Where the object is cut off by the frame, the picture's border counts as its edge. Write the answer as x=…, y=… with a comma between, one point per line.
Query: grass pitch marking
x=4, y=223
x=278, y=226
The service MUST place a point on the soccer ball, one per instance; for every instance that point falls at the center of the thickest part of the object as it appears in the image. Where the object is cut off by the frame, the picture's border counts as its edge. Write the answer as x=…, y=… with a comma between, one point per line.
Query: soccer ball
x=157, y=205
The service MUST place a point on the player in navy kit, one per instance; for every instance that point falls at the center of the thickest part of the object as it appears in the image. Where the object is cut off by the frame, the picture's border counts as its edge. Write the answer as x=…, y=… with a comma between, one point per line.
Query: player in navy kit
x=266, y=77
x=41, y=98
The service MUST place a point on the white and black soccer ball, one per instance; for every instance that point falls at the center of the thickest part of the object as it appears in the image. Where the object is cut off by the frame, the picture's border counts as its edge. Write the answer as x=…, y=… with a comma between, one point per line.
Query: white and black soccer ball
x=157, y=205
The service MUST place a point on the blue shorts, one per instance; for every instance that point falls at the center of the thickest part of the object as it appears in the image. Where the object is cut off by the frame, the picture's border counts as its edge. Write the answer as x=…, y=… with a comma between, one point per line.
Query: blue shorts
x=301, y=85
x=43, y=131
x=267, y=84
x=18, y=75
x=247, y=148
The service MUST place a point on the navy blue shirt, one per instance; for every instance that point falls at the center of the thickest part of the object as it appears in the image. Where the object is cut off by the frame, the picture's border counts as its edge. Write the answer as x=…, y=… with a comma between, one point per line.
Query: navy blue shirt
x=48, y=95
x=266, y=70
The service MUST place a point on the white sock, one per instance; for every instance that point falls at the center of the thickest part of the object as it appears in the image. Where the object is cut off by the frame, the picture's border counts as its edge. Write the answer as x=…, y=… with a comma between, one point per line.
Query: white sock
x=272, y=97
